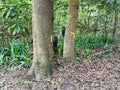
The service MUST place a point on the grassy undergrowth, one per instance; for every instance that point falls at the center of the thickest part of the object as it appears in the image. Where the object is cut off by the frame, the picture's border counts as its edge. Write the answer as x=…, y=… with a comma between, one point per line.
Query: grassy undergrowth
x=90, y=41
x=14, y=54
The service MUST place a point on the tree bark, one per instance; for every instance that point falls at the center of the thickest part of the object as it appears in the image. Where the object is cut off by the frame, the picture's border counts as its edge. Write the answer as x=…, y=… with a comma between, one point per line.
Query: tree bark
x=42, y=25
x=71, y=27
x=115, y=19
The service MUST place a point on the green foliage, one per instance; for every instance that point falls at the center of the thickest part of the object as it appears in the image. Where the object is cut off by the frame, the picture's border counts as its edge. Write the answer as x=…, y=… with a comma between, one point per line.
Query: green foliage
x=108, y=48
x=61, y=69
x=16, y=16
x=15, y=53
x=60, y=45
x=90, y=41
x=60, y=14
x=86, y=42
x=86, y=52
x=16, y=19
x=4, y=88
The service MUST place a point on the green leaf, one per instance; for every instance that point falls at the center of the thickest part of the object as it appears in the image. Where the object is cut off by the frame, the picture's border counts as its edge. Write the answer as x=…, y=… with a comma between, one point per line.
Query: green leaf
x=14, y=32
x=18, y=81
x=5, y=88
x=20, y=17
x=4, y=14
x=18, y=29
x=13, y=13
x=9, y=30
x=61, y=69
x=7, y=15
x=13, y=26
x=1, y=57
x=26, y=30
x=86, y=52
x=1, y=33
x=11, y=7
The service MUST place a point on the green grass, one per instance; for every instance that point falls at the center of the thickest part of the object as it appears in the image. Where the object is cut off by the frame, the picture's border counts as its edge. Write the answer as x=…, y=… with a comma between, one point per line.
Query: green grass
x=86, y=42
x=89, y=41
x=15, y=53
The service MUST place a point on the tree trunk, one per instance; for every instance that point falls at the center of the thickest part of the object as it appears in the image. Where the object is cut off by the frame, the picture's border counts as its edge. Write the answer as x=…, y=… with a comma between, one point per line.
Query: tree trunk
x=115, y=19
x=42, y=25
x=71, y=27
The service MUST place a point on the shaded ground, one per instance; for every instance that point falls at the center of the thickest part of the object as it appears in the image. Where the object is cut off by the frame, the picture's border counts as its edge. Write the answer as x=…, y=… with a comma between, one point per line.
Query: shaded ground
x=98, y=71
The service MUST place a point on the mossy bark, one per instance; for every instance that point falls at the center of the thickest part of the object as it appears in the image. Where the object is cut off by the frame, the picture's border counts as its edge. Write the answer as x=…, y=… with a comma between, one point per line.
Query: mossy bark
x=42, y=25
x=72, y=20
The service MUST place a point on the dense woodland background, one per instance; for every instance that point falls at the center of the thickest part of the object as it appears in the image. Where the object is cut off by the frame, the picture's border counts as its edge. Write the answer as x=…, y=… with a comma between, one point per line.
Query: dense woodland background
x=98, y=25
x=97, y=36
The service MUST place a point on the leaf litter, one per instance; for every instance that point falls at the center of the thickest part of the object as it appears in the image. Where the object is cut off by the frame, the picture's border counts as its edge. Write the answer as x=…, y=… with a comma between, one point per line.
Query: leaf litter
x=98, y=71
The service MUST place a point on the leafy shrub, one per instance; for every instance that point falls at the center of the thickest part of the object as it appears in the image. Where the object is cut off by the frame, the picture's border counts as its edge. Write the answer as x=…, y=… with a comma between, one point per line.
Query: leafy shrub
x=16, y=16
x=15, y=53
x=60, y=45
x=90, y=41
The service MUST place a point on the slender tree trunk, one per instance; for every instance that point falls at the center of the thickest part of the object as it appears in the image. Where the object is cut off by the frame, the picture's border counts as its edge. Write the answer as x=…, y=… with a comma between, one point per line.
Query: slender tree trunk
x=88, y=20
x=115, y=18
x=71, y=27
x=105, y=30
x=42, y=23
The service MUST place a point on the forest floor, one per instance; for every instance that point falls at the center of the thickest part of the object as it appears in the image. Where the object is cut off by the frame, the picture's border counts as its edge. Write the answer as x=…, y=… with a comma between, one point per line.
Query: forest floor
x=98, y=71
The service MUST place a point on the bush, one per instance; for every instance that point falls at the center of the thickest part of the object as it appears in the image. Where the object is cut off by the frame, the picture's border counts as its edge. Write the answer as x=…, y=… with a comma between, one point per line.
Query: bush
x=89, y=41
x=15, y=53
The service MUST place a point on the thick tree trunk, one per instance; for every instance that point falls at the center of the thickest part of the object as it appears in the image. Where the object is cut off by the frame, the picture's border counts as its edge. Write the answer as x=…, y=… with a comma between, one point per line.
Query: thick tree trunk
x=42, y=22
x=71, y=27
